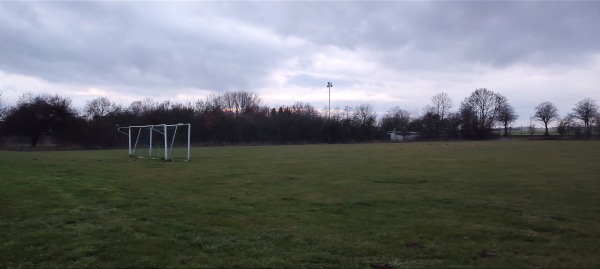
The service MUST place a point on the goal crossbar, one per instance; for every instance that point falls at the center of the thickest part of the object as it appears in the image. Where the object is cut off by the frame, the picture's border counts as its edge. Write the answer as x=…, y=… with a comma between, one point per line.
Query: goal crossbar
x=161, y=129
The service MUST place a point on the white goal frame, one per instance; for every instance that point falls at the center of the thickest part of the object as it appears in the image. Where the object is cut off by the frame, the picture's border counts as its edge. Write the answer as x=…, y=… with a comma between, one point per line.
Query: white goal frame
x=160, y=128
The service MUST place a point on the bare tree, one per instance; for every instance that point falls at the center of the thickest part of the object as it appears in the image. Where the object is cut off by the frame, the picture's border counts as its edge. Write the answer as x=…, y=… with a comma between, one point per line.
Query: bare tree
x=596, y=121
x=98, y=107
x=347, y=112
x=45, y=113
x=563, y=124
x=480, y=112
x=365, y=115
x=585, y=110
x=303, y=109
x=214, y=101
x=546, y=112
x=364, y=120
x=398, y=113
x=244, y=102
x=396, y=118
x=25, y=98
x=2, y=108
x=235, y=103
x=199, y=107
x=149, y=105
x=507, y=116
x=440, y=105
x=135, y=108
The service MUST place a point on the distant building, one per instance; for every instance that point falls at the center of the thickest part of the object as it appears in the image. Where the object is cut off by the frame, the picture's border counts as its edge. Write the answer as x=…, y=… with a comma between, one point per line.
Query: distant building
x=402, y=136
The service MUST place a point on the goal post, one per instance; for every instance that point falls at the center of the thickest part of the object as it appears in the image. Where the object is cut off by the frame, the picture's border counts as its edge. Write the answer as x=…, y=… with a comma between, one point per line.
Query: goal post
x=168, y=142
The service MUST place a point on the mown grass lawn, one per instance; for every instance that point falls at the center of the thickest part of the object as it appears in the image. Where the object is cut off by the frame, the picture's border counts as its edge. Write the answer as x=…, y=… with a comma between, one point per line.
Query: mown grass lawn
x=442, y=204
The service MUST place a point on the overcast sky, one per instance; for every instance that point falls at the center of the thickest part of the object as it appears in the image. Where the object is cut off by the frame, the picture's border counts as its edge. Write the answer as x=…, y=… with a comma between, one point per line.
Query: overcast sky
x=392, y=53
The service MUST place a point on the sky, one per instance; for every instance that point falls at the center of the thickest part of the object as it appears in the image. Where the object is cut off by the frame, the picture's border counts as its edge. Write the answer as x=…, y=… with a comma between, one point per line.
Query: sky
x=384, y=53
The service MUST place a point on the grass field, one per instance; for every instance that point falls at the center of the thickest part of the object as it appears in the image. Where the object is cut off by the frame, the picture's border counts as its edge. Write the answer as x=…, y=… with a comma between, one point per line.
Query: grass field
x=443, y=204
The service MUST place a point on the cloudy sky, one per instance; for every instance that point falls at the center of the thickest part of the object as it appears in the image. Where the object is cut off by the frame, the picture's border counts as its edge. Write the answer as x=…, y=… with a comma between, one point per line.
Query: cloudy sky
x=389, y=53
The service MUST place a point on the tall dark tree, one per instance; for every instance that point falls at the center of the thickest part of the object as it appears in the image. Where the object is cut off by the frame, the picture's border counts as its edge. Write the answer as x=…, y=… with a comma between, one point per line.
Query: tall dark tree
x=441, y=104
x=135, y=108
x=235, y=103
x=480, y=112
x=2, y=108
x=396, y=118
x=507, y=116
x=563, y=125
x=427, y=125
x=35, y=115
x=242, y=102
x=435, y=114
x=546, y=112
x=596, y=121
x=98, y=107
x=585, y=110
x=364, y=119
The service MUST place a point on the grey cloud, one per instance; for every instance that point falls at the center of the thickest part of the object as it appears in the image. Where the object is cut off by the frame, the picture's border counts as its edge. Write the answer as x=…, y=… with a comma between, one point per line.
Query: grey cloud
x=312, y=81
x=497, y=33
x=128, y=43
x=157, y=45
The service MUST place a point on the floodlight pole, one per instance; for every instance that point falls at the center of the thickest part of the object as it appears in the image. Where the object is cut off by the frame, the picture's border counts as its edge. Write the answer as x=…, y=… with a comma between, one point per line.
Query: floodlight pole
x=329, y=85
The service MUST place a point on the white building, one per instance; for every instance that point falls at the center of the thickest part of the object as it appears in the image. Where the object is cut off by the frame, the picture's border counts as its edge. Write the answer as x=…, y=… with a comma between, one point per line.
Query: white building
x=402, y=136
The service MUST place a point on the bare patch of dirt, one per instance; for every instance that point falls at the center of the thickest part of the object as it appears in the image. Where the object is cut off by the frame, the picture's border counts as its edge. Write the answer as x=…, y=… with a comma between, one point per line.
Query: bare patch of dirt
x=487, y=254
x=414, y=245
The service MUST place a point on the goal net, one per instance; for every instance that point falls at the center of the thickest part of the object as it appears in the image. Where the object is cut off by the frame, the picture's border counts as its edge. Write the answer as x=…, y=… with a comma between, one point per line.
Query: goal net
x=166, y=142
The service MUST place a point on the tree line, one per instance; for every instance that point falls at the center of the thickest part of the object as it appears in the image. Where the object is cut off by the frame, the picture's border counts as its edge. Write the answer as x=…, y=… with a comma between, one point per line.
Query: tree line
x=240, y=117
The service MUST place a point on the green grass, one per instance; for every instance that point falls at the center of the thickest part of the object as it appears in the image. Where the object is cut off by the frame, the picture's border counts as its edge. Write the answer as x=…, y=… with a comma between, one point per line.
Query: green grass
x=445, y=204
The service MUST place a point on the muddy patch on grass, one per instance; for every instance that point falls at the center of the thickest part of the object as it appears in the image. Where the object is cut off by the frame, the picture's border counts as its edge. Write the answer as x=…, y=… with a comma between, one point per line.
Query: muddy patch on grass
x=414, y=245
x=487, y=254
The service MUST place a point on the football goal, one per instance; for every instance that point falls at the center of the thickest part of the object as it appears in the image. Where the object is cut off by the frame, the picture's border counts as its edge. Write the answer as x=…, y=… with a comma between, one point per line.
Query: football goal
x=167, y=142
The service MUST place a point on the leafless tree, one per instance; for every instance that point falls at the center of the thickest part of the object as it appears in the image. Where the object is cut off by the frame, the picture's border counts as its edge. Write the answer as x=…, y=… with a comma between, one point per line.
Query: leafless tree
x=396, y=118
x=243, y=102
x=440, y=105
x=546, y=112
x=199, y=107
x=482, y=108
x=148, y=105
x=135, y=108
x=2, y=108
x=347, y=112
x=585, y=110
x=507, y=116
x=235, y=103
x=34, y=115
x=364, y=120
x=365, y=115
x=165, y=105
x=596, y=122
x=98, y=107
x=303, y=109
x=25, y=98
x=398, y=113
x=563, y=124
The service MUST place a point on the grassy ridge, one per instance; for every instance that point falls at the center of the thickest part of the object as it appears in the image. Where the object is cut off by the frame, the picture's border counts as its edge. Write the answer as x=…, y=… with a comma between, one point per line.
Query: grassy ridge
x=475, y=204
